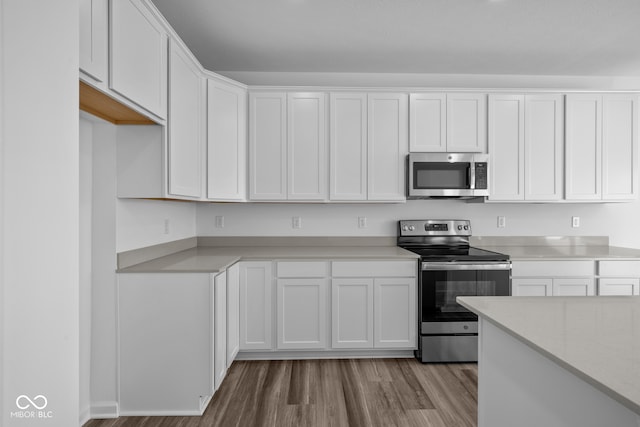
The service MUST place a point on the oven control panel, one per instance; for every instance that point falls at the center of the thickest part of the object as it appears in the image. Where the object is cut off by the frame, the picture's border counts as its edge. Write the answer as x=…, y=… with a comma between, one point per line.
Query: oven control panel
x=435, y=227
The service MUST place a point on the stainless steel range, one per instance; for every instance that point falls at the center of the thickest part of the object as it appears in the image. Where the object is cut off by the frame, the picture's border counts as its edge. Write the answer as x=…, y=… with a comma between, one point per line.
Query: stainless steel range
x=450, y=268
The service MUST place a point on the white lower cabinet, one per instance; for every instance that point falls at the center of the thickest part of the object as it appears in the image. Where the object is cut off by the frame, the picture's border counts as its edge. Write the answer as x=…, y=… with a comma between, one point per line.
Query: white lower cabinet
x=374, y=304
x=619, y=277
x=233, y=313
x=256, y=289
x=573, y=287
x=395, y=313
x=220, y=325
x=166, y=343
x=540, y=287
x=352, y=313
x=302, y=313
x=553, y=278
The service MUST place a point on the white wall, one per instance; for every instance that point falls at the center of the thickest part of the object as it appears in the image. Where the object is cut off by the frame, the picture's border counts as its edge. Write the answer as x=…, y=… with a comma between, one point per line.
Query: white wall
x=86, y=183
x=272, y=219
x=141, y=223
x=40, y=203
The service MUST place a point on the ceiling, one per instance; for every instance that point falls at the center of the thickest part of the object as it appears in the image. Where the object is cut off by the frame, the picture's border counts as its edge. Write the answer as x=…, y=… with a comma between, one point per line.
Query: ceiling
x=520, y=37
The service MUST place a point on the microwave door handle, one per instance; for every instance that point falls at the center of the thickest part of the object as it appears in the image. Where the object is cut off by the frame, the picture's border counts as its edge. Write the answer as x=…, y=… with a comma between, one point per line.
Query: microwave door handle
x=472, y=176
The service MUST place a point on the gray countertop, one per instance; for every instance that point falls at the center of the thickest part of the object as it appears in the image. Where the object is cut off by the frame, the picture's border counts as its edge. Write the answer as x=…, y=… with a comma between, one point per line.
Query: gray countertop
x=563, y=253
x=208, y=259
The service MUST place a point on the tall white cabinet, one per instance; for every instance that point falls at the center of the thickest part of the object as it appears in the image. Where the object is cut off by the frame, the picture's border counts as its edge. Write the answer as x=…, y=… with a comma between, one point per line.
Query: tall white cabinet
x=526, y=146
x=138, y=61
x=94, y=44
x=348, y=146
x=602, y=147
x=186, y=124
x=387, y=146
x=226, y=141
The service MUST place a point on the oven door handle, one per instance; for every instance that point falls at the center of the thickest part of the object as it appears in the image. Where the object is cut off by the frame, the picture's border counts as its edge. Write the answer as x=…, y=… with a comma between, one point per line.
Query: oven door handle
x=441, y=266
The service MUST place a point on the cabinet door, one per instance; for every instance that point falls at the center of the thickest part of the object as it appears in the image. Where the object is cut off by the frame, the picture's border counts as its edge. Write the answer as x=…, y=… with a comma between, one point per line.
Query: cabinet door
x=186, y=119
x=620, y=147
x=531, y=287
x=544, y=147
x=395, y=313
x=617, y=286
x=583, y=147
x=256, y=289
x=306, y=146
x=94, y=16
x=233, y=313
x=302, y=313
x=573, y=287
x=506, y=147
x=348, y=139
x=466, y=122
x=138, y=56
x=220, y=323
x=387, y=146
x=352, y=313
x=267, y=146
x=427, y=122
x=226, y=142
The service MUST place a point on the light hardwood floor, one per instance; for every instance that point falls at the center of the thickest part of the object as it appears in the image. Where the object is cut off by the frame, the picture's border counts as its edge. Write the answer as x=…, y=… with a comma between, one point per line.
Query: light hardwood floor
x=355, y=392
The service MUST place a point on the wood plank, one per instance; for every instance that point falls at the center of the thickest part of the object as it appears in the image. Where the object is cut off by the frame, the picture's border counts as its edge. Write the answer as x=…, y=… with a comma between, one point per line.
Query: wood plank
x=347, y=392
x=101, y=105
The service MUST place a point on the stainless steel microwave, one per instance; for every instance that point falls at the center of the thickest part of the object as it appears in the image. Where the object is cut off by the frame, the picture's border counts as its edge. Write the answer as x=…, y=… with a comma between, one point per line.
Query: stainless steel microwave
x=447, y=175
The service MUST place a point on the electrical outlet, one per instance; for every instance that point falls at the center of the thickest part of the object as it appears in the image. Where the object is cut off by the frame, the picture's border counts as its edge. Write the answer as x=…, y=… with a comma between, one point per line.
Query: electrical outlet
x=362, y=222
x=166, y=226
x=296, y=222
x=219, y=221
x=575, y=221
x=502, y=222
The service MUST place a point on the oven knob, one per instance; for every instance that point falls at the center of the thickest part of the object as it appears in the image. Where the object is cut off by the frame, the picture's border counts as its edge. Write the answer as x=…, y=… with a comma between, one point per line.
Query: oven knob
x=466, y=227
x=459, y=227
x=412, y=228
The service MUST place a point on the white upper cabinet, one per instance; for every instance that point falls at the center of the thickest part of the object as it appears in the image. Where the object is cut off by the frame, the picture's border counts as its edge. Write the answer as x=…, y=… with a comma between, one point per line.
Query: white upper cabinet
x=526, y=147
x=620, y=147
x=544, y=147
x=348, y=146
x=138, y=56
x=467, y=122
x=452, y=122
x=226, y=141
x=307, y=146
x=506, y=146
x=288, y=146
x=388, y=117
x=268, y=146
x=602, y=147
x=94, y=17
x=186, y=130
x=584, y=147
x=428, y=122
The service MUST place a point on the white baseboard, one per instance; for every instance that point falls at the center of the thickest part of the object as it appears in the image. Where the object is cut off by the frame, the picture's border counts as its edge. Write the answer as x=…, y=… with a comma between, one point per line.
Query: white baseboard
x=85, y=415
x=336, y=354
x=101, y=410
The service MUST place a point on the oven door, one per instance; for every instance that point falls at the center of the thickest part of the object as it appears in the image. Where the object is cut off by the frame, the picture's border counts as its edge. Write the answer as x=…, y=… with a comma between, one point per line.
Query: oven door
x=442, y=282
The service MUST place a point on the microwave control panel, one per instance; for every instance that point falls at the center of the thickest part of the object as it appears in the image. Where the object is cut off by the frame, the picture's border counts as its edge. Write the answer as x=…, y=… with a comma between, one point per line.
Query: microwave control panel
x=481, y=175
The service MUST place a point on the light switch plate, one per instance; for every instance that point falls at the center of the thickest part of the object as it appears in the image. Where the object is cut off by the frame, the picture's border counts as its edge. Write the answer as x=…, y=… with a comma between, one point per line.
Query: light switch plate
x=575, y=221
x=296, y=222
x=502, y=222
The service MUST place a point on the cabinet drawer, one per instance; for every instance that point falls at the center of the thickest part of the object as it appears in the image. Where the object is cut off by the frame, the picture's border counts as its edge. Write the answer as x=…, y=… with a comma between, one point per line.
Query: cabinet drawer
x=302, y=269
x=619, y=268
x=552, y=268
x=374, y=268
